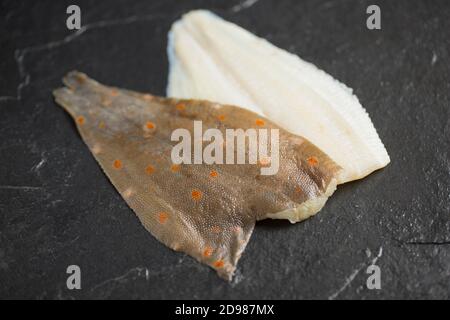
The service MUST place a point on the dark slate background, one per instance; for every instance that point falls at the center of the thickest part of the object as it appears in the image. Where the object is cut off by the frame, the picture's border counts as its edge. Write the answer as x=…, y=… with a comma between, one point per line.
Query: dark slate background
x=57, y=208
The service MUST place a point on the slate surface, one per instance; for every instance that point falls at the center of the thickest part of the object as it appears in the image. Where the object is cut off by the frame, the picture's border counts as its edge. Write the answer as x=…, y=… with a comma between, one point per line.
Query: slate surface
x=57, y=208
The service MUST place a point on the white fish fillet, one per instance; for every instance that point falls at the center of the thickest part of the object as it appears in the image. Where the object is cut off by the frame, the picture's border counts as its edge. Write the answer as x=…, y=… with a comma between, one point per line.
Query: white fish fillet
x=216, y=60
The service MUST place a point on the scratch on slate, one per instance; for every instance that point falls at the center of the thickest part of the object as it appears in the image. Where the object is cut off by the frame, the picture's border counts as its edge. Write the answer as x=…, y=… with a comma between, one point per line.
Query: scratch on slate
x=428, y=243
x=20, y=54
x=422, y=243
x=243, y=5
x=26, y=188
x=347, y=282
x=353, y=275
x=7, y=98
x=38, y=166
x=132, y=273
x=327, y=5
x=380, y=253
x=433, y=59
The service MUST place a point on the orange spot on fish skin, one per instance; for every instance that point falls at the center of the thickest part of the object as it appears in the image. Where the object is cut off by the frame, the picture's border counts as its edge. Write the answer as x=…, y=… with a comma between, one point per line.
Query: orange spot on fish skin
x=147, y=97
x=149, y=169
x=175, y=167
x=264, y=161
x=312, y=161
x=80, y=120
x=106, y=101
x=101, y=125
x=162, y=217
x=216, y=229
x=117, y=164
x=114, y=92
x=207, y=252
x=213, y=174
x=180, y=106
x=221, y=117
x=96, y=149
x=237, y=229
x=128, y=193
x=298, y=190
x=81, y=78
x=260, y=122
x=219, y=263
x=150, y=125
x=196, y=194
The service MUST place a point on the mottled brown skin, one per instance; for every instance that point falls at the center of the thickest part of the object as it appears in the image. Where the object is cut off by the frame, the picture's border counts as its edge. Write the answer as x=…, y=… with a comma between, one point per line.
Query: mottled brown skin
x=207, y=211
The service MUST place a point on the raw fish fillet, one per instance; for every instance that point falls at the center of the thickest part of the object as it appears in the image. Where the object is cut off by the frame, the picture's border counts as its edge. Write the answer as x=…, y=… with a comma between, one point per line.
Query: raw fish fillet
x=216, y=60
x=207, y=211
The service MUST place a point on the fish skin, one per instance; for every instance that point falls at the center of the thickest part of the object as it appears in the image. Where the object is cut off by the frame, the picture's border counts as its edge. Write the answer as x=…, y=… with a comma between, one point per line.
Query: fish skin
x=216, y=60
x=215, y=229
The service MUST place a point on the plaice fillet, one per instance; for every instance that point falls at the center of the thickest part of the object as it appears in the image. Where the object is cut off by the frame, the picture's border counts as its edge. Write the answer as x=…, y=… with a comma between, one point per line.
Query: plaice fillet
x=216, y=60
x=207, y=211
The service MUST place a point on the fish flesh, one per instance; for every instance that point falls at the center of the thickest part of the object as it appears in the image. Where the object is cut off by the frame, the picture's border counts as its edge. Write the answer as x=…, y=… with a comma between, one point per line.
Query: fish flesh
x=205, y=210
x=219, y=61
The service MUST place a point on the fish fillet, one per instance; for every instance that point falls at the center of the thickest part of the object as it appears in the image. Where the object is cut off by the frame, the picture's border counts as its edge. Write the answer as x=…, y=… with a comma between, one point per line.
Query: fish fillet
x=207, y=211
x=216, y=60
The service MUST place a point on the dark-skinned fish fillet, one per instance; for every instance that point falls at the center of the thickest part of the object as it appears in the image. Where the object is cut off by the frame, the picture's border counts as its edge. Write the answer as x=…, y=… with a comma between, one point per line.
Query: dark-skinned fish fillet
x=207, y=211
